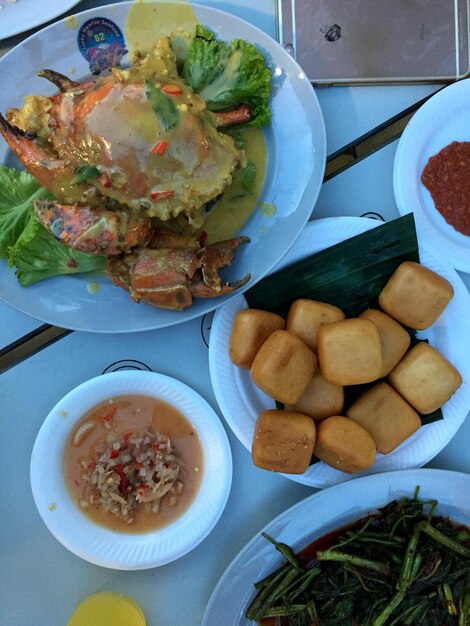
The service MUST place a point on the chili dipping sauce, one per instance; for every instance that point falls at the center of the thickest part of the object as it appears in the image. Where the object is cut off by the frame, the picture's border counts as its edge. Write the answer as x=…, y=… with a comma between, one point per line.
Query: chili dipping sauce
x=133, y=464
x=447, y=178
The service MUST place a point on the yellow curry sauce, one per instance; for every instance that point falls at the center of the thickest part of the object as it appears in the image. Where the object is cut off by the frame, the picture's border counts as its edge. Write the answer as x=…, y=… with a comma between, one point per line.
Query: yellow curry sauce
x=120, y=419
x=148, y=21
x=236, y=205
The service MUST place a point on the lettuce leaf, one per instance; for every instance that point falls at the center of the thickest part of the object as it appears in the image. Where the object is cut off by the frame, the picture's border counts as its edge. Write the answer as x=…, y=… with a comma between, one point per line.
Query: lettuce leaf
x=24, y=242
x=17, y=190
x=38, y=255
x=227, y=75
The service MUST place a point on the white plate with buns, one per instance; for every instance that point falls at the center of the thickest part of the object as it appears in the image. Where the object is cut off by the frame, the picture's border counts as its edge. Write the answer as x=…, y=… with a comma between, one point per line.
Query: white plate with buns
x=241, y=401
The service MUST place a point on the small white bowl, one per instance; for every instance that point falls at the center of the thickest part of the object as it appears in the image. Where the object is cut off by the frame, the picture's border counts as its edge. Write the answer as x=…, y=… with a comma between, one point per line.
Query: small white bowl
x=106, y=547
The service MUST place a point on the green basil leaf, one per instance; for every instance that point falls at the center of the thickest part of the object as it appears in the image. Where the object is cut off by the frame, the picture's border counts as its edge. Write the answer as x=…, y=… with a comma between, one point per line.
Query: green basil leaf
x=248, y=177
x=163, y=106
x=84, y=173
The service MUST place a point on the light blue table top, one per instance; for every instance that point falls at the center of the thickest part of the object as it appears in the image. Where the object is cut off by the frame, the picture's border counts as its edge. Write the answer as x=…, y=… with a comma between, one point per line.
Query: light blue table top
x=42, y=582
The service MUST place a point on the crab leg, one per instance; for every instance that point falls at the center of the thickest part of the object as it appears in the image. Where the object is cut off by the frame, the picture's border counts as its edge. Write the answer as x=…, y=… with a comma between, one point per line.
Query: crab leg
x=97, y=231
x=63, y=83
x=49, y=170
x=170, y=277
x=240, y=115
x=159, y=276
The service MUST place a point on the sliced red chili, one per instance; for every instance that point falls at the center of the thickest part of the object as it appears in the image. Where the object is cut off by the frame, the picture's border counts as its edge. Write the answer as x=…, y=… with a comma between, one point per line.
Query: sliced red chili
x=114, y=454
x=160, y=148
x=105, y=179
x=123, y=482
x=156, y=196
x=172, y=89
x=109, y=414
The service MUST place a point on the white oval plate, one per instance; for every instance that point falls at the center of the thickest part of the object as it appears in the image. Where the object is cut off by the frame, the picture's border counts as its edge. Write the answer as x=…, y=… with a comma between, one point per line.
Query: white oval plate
x=442, y=119
x=291, y=184
x=19, y=16
x=103, y=546
x=241, y=401
x=320, y=514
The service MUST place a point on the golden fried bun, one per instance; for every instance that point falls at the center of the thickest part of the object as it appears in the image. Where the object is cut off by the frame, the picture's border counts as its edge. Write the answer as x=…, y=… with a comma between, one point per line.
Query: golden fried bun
x=349, y=352
x=283, y=441
x=394, y=339
x=283, y=367
x=344, y=444
x=425, y=378
x=320, y=399
x=306, y=316
x=415, y=295
x=386, y=416
x=250, y=330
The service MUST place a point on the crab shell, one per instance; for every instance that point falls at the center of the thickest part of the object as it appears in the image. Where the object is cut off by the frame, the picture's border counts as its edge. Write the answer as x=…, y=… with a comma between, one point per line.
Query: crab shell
x=146, y=133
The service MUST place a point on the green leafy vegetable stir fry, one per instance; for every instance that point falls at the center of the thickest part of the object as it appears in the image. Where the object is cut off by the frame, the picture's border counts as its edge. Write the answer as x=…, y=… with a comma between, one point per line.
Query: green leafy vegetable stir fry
x=400, y=567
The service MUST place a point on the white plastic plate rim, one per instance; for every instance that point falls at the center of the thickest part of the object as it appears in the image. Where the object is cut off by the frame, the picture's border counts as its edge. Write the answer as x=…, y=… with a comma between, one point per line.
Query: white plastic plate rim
x=19, y=16
x=241, y=402
x=291, y=184
x=442, y=119
x=320, y=514
x=100, y=545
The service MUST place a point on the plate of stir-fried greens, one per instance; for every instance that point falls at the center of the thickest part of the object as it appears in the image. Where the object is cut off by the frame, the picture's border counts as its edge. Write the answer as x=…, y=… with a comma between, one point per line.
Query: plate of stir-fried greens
x=390, y=549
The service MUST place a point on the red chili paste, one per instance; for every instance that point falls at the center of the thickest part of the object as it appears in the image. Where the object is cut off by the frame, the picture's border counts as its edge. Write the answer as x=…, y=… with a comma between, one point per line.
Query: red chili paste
x=447, y=177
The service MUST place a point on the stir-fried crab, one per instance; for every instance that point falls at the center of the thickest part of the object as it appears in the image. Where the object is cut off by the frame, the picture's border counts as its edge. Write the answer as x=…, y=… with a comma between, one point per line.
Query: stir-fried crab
x=121, y=150
x=173, y=269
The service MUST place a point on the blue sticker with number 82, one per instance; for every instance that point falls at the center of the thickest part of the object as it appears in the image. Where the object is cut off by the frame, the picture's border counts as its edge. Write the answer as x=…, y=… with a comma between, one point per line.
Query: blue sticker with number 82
x=102, y=44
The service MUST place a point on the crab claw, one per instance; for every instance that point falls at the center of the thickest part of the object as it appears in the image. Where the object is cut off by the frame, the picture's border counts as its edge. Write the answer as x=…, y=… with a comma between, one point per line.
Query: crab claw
x=169, y=278
x=51, y=172
x=96, y=231
x=214, y=258
x=63, y=83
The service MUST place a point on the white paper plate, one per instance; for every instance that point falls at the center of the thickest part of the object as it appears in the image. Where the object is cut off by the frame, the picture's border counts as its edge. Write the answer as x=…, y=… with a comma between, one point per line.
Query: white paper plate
x=320, y=514
x=292, y=184
x=442, y=119
x=22, y=15
x=241, y=401
x=100, y=545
